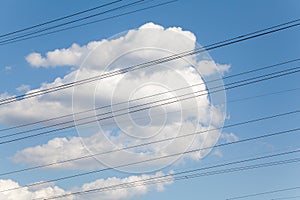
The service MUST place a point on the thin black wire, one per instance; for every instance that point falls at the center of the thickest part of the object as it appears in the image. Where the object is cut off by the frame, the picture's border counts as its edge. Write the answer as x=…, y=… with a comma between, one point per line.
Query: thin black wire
x=194, y=107
x=146, y=8
x=104, y=118
x=74, y=21
x=141, y=105
x=28, y=94
x=153, y=142
x=153, y=95
x=146, y=64
x=59, y=19
x=264, y=193
x=263, y=95
x=138, y=110
x=175, y=177
x=283, y=198
x=92, y=22
x=157, y=158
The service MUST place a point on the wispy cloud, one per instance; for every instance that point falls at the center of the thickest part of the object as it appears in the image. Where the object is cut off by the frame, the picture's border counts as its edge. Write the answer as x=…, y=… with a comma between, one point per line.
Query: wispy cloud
x=23, y=87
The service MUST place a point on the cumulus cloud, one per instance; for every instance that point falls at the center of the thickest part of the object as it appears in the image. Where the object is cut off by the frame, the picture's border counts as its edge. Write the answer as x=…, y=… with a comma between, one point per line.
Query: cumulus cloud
x=60, y=149
x=132, y=186
x=172, y=114
x=157, y=37
x=60, y=57
x=150, y=41
x=28, y=193
x=140, y=186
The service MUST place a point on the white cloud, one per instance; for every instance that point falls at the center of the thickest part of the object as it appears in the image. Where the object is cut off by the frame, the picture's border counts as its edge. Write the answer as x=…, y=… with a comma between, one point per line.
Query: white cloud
x=28, y=193
x=23, y=87
x=229, y=137
x=7, y=68
x=149, y=42
x=218, y=153
x=209, y=67
x=157, y=37
x=59, y=149
x=59, y=57
x=140, y=187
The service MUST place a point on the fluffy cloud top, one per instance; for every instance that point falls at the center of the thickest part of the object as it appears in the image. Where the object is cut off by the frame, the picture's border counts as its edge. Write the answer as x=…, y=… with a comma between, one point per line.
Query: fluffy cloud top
x=172, y=114
x=27, y=193
x=158, y=37
x=149, y=42
x=116, y=193
x=61, y=57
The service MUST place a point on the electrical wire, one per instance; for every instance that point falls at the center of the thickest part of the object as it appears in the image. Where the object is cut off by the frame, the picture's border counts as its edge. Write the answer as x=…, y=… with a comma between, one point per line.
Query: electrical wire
x=227, y=42
x=284, y=198
x=152, y=142
x=194, y=107
x=74, y=21
x=265, y=77
x=264, y=193
x=263, y=95
x=153, y=95
x=92, y=22
x=222, y=171
x=60, y=18
x=174, y=177
x=157, y=158
x=141, y=105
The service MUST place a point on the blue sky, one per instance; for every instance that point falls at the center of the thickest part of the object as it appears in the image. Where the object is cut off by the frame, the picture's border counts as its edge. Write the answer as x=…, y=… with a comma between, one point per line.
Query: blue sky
x=209, y=21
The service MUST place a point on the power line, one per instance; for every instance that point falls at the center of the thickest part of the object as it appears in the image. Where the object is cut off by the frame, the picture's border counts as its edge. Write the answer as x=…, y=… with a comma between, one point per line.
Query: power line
x=218, y=173
x=154, y=95
x=60, y=18
x=224, y=43
x=158, y=158
x=262, y=95
x=275, y=75
x=148, y=103
x=92, y=22
x=264, y=193
x=74, y=21
x=137, y=110
x=187, y=175
x=152, y=142
x=195, y=107
x=284, y=198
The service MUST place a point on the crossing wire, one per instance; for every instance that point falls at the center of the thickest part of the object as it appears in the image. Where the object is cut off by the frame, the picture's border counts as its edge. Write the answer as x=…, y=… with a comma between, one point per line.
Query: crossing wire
x=92, y=22
x=264, y=193
x=74, y=21
x=59, y=19
x=187, y=175
x=153, y=95
x=158, y=158
x=152, y=142
x=224, y=43
x=284, y=198
x=275, y=75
